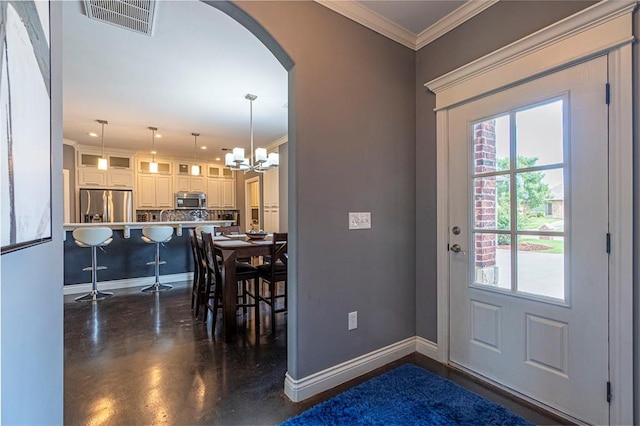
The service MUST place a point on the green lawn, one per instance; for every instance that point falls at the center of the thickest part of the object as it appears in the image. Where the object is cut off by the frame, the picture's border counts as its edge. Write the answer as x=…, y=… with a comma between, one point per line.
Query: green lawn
x=535, y=222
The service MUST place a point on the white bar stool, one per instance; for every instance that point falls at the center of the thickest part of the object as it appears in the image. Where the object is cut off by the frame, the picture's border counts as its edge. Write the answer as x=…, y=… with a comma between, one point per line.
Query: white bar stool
x=94, y=238
x=156, y=235
x=204, y=228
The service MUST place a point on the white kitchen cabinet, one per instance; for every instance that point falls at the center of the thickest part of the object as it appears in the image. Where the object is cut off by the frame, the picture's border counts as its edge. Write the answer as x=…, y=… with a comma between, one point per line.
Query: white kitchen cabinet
x=228, y=197
x=270, y=188
x=271, y=219
x=164, y=167
x=119, y=173
x=164, y=192
x=214, y=193
x=198, y=184
x=146, y=191
x=92, y=177
x=191, y=184
x=154, y=191
x=120, y=178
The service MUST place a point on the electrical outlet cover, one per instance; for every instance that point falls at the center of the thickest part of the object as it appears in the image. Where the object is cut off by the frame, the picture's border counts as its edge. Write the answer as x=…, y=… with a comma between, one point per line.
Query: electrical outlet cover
x=359, y=220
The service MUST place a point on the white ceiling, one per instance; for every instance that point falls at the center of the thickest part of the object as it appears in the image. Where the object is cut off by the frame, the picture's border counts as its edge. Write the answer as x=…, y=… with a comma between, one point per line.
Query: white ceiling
x=191, y=76
x=193, y=73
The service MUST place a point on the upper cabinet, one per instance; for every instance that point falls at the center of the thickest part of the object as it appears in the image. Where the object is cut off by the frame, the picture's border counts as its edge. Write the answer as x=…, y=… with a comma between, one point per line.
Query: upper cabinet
x=119, y=173
x=221, y=187
x=164, y=167
x=186, y=182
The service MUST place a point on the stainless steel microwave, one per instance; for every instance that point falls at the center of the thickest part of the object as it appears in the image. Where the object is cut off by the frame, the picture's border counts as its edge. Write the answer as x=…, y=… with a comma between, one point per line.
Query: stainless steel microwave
x=191, y=200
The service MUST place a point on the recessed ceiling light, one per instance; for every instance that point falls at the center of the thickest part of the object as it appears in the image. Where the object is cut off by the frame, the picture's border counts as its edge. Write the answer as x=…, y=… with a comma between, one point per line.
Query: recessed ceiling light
x=93, y=134
x=217, y=158
x=203, y=147
x=158, y=136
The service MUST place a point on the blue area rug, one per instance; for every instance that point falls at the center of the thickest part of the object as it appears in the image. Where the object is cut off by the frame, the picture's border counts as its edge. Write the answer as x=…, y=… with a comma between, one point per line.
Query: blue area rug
x=408, y=395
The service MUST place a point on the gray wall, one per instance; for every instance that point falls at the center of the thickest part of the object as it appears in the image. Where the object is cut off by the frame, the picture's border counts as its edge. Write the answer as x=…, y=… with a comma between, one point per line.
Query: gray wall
x=31, y=296
x=353, y=148
x=499, y=25
x=69, y=163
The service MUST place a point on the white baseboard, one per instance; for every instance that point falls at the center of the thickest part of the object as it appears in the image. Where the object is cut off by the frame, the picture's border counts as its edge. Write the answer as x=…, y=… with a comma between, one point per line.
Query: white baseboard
x=126, y=283
x=299, y=390
x=427, y=348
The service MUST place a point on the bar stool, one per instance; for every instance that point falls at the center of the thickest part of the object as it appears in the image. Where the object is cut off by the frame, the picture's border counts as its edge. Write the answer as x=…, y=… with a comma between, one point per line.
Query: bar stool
x=94, y=238
x=156, y=235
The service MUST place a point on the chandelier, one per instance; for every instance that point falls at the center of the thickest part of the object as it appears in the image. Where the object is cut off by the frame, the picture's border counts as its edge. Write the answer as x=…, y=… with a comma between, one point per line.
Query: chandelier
x=262, y=162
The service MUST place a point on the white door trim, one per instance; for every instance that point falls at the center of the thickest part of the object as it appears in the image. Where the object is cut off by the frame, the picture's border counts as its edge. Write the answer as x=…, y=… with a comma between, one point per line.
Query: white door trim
x=605, y=27
x=247, y=201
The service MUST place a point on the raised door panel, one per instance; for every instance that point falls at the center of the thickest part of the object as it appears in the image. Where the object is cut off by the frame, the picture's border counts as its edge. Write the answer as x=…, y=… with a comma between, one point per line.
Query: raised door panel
x=120, y=178
x=271, y=220
x=214, y=192
x=228, y=193
x=271, y=182
x=183, y=184
x=198, y=184
x=92, y=177
x=164, y=193
x=146, y=191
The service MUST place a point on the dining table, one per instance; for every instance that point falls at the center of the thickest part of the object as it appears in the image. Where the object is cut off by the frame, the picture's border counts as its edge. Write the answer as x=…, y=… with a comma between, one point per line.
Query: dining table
x=235, y=248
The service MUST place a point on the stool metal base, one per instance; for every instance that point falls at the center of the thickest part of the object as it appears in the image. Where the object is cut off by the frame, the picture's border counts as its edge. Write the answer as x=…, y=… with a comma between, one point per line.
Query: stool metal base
x=156, y=287
x=94, y=295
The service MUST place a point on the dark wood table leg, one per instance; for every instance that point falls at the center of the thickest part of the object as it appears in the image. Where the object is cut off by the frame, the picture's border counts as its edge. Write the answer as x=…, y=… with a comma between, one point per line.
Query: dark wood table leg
x=230, y=295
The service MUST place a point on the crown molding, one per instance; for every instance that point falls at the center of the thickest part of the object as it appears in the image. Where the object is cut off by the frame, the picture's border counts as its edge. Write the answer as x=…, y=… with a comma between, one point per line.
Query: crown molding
x=378, y=23
x=69, y=142
x=372, y=20
x=277, y=143
x=587, y=33
x=452, y=20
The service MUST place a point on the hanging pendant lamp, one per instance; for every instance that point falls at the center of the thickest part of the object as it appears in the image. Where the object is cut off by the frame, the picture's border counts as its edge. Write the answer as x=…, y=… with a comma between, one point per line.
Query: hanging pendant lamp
x=102, y=161
x=195, y=168
x=153, y=166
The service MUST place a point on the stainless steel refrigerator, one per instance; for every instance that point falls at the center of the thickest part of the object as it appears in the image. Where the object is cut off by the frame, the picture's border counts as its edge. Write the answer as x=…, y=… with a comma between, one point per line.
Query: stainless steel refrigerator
x=105, y=205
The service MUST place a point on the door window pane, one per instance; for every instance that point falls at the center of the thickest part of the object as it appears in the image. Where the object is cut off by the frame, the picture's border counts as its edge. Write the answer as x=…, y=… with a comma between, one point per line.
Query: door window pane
x=492, y=260
x=541, y=265
x=539, y=135
x=540, y=200
x=491, y=145
x=491, y=200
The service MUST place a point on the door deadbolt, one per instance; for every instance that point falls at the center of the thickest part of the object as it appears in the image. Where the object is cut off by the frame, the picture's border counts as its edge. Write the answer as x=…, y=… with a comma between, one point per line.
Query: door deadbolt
x=455, y=230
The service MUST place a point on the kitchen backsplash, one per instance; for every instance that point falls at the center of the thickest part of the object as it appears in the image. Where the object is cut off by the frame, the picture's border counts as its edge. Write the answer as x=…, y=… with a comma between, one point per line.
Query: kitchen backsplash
x=186, y=215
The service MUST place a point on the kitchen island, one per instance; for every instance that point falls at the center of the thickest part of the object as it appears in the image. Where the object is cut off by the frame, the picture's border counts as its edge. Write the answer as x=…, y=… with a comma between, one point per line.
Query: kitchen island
x=127, y=256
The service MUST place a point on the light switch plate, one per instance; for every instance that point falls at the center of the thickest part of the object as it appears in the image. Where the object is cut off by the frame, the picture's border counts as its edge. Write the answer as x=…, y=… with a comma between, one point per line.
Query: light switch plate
x=359, y=220
x=353, y=320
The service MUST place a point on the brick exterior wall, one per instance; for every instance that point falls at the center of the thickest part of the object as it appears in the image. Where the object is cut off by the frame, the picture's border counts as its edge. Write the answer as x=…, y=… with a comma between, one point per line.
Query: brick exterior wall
x=485, y=191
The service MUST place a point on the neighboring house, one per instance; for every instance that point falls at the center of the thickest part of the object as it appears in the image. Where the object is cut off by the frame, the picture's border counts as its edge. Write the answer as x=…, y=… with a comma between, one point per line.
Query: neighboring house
x=555, y=206
x=364, y=140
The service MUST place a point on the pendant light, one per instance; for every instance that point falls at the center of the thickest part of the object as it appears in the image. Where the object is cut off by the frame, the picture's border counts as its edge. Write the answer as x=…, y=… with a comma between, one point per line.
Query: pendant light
x=195, y=168
x=153, y=166
x=102, y=161
x=235, y=160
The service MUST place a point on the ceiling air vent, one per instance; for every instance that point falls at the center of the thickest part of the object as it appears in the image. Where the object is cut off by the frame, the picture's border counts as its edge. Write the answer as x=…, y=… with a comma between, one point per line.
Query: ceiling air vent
x=134, y=15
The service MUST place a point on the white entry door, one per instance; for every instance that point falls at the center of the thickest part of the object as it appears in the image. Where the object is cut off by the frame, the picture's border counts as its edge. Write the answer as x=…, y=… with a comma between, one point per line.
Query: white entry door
x=528, y=239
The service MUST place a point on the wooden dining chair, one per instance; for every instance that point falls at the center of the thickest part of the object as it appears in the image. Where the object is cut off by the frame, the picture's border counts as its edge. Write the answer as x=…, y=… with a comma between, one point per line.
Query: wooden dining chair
x=273, y=273
x=244, y=274
x=198, y=290
x=227, y=230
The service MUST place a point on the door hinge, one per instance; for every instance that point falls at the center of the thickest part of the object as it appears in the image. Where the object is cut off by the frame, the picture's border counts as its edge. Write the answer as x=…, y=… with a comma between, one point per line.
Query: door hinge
x=608, y=391
x=448, y=247
x=608, y=242
x=607, y=96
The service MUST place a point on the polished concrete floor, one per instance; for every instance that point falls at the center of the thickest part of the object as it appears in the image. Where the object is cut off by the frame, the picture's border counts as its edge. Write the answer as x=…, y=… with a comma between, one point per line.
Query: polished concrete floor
x=141, y=359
